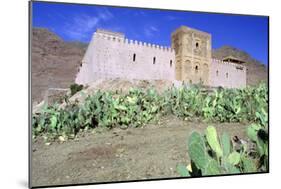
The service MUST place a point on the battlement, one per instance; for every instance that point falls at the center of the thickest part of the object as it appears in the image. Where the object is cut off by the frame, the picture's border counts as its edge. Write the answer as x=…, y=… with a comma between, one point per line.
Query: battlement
x=238, y=66
x=150, y=45
x=185, y=29
x=110, y=33
x=121, y=39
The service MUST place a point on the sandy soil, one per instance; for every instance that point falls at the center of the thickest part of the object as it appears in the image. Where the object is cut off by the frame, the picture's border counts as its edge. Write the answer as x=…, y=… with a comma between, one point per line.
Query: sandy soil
x=152, y=151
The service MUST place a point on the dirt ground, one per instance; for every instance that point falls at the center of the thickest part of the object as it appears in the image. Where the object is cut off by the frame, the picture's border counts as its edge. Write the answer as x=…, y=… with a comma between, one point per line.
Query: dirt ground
x=152, y=151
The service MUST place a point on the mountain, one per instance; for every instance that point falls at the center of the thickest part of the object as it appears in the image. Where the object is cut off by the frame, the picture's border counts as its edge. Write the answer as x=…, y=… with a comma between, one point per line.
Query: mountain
x=54, y=63
x=256, y=71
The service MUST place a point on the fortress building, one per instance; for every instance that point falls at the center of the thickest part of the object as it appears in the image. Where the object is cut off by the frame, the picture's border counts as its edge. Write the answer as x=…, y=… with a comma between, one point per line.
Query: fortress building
x=110, y=55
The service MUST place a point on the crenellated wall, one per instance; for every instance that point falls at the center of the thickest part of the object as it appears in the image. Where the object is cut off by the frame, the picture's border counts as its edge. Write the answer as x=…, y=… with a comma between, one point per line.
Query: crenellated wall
x=113, y=56
x=228, y=75
x=110, y=55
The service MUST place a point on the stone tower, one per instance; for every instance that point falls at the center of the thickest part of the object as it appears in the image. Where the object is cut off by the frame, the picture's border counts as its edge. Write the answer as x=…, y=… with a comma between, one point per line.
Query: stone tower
x=192, y=55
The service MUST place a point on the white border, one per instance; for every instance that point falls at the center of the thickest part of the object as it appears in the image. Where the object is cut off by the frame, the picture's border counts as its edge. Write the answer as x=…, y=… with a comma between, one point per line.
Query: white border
x=14, y=80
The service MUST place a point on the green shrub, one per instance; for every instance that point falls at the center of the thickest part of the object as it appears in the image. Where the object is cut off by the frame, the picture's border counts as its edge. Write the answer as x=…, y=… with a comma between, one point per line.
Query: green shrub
x=74, y=88
x=139, y=107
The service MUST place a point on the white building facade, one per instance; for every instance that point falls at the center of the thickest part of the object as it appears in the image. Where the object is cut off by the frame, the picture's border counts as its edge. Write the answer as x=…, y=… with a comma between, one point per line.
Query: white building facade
x=110, y=55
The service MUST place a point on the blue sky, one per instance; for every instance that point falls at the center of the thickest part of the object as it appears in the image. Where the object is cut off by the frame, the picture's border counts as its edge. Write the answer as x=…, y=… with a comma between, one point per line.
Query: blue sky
x=73, y=22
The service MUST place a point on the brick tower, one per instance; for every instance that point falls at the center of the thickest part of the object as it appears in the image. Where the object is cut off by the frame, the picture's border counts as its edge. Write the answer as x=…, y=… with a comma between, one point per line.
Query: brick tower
x=192, y=55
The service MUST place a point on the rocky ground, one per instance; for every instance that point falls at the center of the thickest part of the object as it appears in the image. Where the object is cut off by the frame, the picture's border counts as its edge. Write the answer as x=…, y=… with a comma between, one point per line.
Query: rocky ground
x=150, y=152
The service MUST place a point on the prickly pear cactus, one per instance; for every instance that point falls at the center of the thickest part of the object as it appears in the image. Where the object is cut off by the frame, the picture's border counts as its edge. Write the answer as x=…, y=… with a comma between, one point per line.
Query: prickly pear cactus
x=224, y=159
x=198, y=154
x=212, y=138
x=197, y=150
x=226, y=144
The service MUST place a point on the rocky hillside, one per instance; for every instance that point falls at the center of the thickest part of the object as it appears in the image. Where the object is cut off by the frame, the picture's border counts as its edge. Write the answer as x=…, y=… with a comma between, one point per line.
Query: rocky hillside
x=256, y=71
x=54, y=62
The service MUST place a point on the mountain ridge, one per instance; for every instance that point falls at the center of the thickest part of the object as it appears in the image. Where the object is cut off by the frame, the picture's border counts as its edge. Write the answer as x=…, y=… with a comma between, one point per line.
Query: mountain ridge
x=54, y=62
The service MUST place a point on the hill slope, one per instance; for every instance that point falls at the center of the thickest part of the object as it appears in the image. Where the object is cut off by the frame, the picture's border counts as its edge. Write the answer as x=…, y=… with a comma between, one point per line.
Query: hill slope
x=54, y=63
x=256, y=71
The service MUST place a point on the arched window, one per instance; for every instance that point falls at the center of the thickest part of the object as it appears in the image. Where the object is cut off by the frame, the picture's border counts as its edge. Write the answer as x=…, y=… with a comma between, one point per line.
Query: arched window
x=217, y=73
x=190, y=81
x=196, y=69
x=134, y=57
x=197, y=45
x=171, y=63
x=154, y=60
x=226, y=75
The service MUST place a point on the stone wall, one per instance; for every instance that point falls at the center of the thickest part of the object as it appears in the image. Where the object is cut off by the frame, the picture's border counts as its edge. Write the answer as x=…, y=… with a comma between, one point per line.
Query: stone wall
x=228, y=75
x=113, y=56
x=110, y=55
